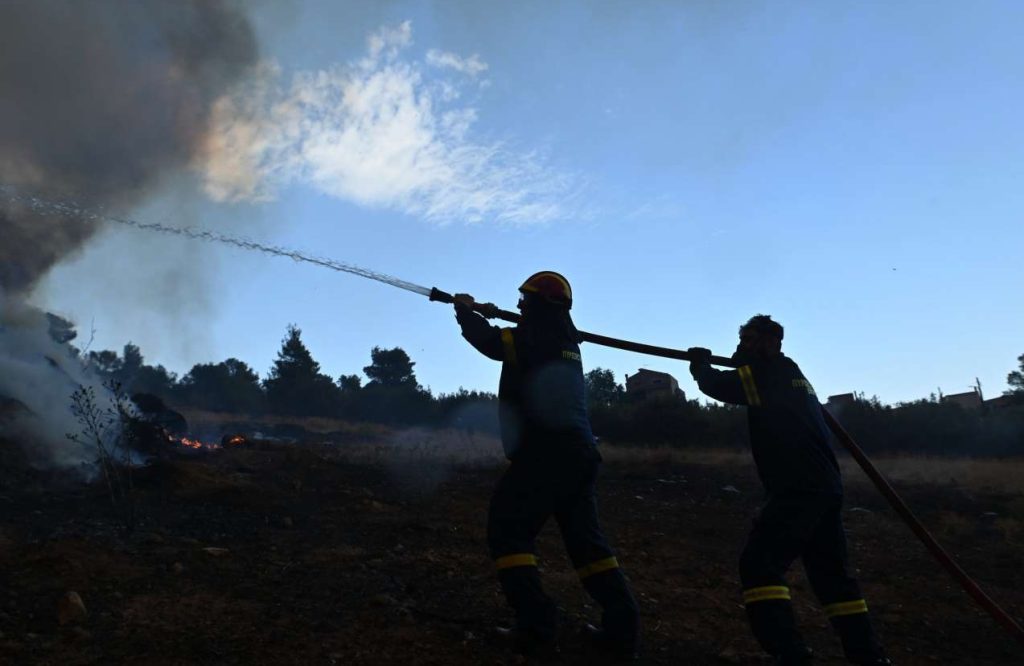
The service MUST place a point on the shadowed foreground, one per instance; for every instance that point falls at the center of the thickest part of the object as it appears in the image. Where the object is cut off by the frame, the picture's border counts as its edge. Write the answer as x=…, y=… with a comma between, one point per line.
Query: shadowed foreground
x=287, y=554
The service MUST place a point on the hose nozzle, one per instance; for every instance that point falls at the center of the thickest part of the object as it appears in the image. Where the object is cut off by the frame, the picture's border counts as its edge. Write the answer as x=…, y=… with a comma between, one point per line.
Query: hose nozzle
x=441, y=296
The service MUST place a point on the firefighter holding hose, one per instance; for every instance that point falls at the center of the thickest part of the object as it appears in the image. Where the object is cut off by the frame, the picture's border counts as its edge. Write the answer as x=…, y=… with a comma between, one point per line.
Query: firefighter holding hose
x=553, y=469
x=802, y=517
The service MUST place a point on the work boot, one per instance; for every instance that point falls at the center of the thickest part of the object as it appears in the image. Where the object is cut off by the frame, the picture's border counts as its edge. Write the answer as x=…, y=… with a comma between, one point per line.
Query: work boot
x=800, y=656
x=530, y=644
x=597, y=640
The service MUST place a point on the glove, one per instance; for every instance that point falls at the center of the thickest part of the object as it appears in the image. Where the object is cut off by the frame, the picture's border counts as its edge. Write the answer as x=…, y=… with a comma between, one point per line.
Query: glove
x=488, y=310
x=699, y=355
x=463, y=302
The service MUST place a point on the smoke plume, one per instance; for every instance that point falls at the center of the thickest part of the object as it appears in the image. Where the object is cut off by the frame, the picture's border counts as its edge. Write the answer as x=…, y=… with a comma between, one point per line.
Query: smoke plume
x=38, y=374
x=101, y=101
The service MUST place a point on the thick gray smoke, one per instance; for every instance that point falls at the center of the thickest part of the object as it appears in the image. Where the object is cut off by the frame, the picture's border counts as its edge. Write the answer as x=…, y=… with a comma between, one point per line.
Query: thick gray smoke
x=38, y=374
x=101, y=100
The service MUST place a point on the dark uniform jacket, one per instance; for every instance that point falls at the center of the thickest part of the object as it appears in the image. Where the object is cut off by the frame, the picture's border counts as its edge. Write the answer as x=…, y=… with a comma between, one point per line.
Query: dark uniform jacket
x=788, y=435
x=541, y=396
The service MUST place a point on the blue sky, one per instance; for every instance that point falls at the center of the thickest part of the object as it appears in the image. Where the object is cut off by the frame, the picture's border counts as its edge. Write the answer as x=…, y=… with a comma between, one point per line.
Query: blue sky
x=853, y=169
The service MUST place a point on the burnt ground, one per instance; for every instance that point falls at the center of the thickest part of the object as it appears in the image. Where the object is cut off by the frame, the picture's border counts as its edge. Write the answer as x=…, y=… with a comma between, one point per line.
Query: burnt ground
x=328, y=562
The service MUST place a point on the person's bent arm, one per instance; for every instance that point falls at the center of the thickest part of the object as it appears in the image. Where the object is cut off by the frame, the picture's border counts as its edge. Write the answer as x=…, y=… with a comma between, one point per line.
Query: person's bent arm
x=476, y=330
x=736, y=387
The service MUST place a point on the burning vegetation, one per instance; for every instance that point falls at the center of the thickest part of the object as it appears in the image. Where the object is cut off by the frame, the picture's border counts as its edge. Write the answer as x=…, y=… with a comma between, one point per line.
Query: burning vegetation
x=102, y=104
x=156, y=426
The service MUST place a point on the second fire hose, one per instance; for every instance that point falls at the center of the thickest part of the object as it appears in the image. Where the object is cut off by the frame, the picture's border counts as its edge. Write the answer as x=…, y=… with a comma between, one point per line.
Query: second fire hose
x=892, y=497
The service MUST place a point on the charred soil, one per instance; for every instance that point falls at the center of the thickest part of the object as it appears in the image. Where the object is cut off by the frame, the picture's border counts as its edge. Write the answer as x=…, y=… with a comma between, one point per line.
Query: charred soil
x=287, y=554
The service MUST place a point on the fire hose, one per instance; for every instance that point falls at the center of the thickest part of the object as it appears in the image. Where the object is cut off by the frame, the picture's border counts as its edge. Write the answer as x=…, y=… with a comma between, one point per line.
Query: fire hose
x=895, y=501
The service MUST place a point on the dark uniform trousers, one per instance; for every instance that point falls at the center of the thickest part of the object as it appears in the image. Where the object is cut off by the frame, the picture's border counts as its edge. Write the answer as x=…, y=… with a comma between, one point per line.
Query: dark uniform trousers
x=807, y=526
x=534, y=488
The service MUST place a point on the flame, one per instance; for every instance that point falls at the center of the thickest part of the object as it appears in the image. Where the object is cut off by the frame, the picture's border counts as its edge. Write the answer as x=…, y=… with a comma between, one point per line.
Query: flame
x=199, y=445
x=196, y=444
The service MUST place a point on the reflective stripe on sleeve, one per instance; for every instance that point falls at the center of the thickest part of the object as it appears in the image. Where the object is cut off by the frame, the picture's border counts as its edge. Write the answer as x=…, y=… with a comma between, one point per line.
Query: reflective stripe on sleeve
x=509, y=345
x=598, y=567
x=749, y=388
x=766, y=593
x=516, y=560
x=846, y=608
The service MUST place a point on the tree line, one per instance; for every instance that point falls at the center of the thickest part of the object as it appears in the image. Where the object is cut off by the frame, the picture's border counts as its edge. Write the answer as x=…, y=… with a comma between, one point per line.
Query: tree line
x=934, y=426
x=295, y=386
x=391, y=394
x=930, y=426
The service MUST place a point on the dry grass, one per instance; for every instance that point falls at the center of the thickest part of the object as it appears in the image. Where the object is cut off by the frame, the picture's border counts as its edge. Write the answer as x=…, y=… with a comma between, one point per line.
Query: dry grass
x=1004, y=475
x=661, y=458
x=420, y=445
x=315, y=424
x=377, y=444
x=993, y=474
x=457, y=447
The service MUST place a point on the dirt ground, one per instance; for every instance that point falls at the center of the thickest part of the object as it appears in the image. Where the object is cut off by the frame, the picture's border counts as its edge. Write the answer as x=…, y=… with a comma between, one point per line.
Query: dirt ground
x=316, y=560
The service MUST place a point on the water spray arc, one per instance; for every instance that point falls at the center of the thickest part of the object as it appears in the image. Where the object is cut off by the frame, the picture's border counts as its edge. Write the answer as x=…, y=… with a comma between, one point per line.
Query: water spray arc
x=491, y=311
x=76, y=212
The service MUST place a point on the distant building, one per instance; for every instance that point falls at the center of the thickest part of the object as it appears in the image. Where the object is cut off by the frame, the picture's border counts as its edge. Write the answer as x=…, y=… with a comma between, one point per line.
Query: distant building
x=969, y=400
x=836, y=403
x=1003, y=401
x=646, y=384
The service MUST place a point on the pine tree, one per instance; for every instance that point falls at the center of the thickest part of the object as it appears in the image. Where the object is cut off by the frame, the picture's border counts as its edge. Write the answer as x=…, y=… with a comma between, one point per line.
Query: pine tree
x=1016, y=379
x=228, y=386
x=350, y=383
x=602, y=389
x=390, y=368
x=295, y=386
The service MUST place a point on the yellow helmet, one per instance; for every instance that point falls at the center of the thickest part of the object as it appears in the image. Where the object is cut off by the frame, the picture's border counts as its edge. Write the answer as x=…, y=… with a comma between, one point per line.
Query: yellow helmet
x=550, y=286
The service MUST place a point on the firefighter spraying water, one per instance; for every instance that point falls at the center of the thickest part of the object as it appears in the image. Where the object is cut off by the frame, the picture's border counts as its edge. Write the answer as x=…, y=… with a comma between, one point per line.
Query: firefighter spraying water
x=553, y=472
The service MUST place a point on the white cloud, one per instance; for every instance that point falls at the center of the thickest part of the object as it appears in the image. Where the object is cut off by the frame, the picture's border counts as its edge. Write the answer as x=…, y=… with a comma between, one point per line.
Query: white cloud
x=383, y=132
x=443, y=59
x=389, y=41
